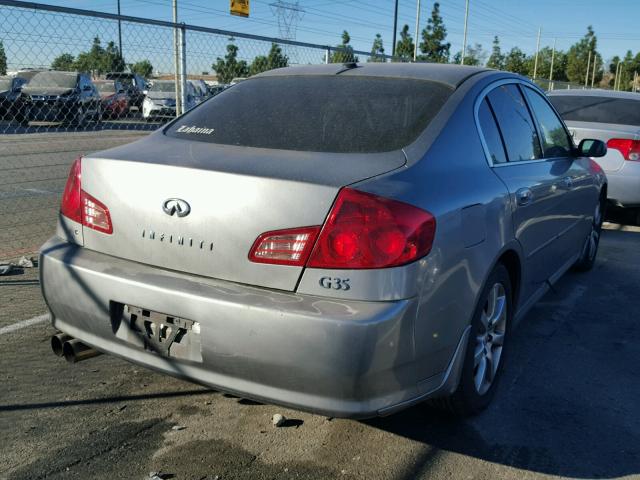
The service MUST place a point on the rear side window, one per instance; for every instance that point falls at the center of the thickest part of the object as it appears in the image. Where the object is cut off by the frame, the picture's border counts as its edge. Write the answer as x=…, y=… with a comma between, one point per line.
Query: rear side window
x=491, y=133
x=341, y=114
x=596, y=109
x=515, y=122
x=555, y=140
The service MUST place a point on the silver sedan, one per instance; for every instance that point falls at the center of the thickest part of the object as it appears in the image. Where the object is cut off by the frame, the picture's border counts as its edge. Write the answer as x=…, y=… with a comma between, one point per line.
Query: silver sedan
x=345, y=239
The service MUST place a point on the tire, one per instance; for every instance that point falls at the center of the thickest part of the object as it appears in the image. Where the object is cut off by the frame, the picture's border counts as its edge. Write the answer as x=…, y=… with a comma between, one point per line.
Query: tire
x=592, y=242
x=476, y=389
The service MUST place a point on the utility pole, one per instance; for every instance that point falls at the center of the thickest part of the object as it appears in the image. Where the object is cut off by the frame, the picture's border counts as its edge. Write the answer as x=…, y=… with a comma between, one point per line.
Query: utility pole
x=176, y=59
x=586, y=77
x=415, y=46
x=464, y=38
x=616, y=81
x=553, y=57
x=593, y=75
x=395, y=28
x=119, y=32
x=535, y=63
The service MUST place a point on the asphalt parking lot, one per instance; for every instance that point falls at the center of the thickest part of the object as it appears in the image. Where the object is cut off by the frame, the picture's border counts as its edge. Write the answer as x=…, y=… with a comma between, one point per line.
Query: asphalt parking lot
x=567, y=405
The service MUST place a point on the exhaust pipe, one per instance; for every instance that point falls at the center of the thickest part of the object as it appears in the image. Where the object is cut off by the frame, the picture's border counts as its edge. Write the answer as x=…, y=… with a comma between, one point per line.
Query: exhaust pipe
x=57, y=342
x=75, y=351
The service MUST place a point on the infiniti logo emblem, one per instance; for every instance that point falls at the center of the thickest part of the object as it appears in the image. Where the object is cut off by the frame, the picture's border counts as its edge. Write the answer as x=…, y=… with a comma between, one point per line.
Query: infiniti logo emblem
x=176, y=206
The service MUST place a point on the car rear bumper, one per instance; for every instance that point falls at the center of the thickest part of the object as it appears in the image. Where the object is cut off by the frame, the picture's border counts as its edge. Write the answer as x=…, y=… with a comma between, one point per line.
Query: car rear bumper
x=337, y=358
x=624, y=185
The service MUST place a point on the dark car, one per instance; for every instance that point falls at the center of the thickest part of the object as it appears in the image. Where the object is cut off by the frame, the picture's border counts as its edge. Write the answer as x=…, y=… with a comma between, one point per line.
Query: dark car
x=10, y=91
x=68, y=97
x=134, y=84
x=115, y=101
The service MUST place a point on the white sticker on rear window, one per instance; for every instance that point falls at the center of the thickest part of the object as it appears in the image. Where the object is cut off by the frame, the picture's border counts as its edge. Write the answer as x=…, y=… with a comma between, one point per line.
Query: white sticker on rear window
x=194, y=129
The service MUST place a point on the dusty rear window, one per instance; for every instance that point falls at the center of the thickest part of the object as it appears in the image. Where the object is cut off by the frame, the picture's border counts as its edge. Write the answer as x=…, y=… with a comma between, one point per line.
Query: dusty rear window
x=590, y=108
x=341, y=114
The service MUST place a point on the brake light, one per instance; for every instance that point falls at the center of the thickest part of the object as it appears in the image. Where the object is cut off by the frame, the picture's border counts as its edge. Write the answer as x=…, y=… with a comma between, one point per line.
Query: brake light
x=71, y=206
x=367, y=231
x=284, y=247
x=630, y=149
x=81, y=207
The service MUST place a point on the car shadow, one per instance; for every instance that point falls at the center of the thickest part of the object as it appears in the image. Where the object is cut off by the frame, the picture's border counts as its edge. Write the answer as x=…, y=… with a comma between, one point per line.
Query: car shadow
x=567, y=401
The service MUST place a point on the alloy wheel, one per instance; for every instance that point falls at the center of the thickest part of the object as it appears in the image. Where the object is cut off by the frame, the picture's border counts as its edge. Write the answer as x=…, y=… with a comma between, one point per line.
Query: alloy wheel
x=490, y=338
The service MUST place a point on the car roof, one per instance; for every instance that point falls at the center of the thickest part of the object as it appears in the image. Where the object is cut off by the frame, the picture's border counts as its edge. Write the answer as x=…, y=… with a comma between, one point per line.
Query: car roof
x=451, y=75
x=594, y=92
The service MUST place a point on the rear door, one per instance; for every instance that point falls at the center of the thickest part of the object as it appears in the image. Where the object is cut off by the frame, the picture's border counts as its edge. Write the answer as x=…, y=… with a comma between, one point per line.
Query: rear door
x=539, y=205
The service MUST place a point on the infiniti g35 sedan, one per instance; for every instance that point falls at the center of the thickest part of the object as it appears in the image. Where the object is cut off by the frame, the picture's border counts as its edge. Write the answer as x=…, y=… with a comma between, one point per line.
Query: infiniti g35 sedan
x=344, y=239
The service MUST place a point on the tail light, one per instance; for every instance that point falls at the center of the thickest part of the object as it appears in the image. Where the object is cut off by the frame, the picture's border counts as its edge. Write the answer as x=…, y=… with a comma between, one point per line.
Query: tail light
x=362, y=231
x=81, y=207
x=630, y=149
x=284, y=247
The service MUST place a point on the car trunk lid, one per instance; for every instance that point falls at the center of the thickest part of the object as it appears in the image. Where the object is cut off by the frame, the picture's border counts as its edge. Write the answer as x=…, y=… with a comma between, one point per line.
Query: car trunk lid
x=234, y=195
x=613, y=160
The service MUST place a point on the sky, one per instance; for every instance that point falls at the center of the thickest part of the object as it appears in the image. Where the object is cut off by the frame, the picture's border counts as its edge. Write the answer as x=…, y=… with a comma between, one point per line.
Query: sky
x=516, y=22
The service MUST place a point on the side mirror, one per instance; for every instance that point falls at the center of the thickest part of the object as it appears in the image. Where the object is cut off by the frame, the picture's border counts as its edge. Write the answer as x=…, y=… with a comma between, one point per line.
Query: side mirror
x=592, y=148
x=86, y=88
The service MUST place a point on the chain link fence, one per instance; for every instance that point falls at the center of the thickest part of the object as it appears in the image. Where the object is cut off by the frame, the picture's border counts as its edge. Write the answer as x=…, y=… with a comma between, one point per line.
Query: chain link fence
x=67, y=92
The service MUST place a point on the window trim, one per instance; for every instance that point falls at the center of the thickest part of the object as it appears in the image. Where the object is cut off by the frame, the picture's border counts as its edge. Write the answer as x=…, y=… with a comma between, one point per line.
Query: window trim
x=483, y=94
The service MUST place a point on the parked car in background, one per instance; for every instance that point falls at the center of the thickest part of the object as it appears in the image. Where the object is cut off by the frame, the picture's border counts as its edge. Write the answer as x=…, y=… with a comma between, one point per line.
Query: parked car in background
x=160, y=100
x=216, y=89
x=199, y=95
x=614, y=118
x=134, y=84
x=345, y=239
x=115, y=101
x=68, y=97
x=10, y=92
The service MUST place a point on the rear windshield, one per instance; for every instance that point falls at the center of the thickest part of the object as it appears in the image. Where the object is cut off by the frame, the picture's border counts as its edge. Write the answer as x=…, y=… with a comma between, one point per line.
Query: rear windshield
x=589, y=108
x=54, y=79
x=106, y=87
x=341, y=114
x=163, y=87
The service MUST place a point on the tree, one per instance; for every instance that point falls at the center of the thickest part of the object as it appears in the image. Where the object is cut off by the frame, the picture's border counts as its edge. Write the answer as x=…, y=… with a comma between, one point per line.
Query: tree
x=405, y=46
x=544, y=64
x=274, y=59
x=344, y=52
x=142, y=68
x=516, y=61
x=3, y=60
x=230, y=67
x=64, y=62
x=433, y=46
x=473, y=55
x=99, y=59
x=377, y=50
x=578, y=58
x=496, y=59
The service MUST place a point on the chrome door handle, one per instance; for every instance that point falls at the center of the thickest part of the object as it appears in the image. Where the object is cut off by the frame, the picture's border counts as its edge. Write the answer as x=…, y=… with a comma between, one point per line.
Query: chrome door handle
x=567, y=182
x=524, y=196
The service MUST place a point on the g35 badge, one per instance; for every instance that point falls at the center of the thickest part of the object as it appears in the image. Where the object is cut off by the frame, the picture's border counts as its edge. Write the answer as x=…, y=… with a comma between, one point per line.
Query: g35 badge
x=335, y=283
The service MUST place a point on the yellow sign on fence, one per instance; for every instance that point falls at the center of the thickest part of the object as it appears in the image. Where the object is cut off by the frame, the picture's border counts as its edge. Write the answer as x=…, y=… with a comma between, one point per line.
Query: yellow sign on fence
x=240, y=8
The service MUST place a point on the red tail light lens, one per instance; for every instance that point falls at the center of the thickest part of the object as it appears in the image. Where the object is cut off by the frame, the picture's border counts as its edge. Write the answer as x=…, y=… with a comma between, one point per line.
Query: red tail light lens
x=81, y=207
x=630, y=149
x=284, y=247
x=71, y=206
x=367, y=231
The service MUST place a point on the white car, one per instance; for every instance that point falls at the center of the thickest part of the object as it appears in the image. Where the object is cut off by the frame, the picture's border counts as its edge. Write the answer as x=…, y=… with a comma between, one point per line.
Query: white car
x=160, y=100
